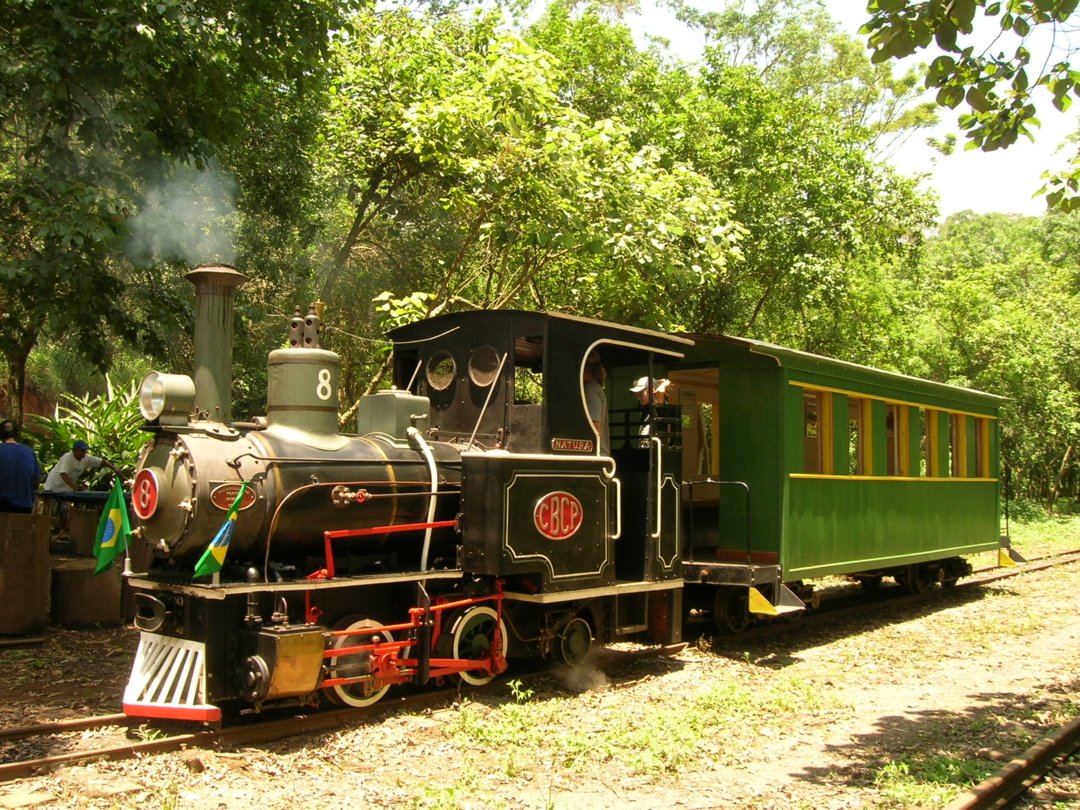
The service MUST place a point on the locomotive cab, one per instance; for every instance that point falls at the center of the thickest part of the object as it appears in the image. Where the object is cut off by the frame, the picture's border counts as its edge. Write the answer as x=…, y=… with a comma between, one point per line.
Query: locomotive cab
x=551, y=505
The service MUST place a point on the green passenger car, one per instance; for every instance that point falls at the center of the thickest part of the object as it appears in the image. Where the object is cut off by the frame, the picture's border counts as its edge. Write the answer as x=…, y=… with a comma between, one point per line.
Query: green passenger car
x=804, y=466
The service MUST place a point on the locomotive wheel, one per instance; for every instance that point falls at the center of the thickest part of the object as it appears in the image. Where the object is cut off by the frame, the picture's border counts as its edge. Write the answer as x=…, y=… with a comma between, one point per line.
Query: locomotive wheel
x=367, y=631
x=870, y=584
x=574, y=643
x=473, y=634
x=731, y=610
x=917, y=578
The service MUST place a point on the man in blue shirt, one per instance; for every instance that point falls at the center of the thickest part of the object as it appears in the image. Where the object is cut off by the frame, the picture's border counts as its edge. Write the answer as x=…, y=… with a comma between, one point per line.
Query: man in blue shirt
x=20, y=472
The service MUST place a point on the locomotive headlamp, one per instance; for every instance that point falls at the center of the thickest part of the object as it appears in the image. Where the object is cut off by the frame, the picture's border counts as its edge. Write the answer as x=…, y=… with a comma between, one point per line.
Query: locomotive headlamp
x=167, y=397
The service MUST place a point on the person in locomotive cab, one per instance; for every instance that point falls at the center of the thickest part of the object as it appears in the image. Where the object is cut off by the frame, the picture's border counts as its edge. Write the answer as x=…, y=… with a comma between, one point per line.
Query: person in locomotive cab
x=596, y=400
x=664, y=412
x=20, y=472
x=660, y=393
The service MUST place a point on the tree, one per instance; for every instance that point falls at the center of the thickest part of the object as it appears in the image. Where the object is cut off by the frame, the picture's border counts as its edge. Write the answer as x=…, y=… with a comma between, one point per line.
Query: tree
x=796, y=48
x=475, y=183
x=604, y=75
x=995, y=307
x=997, y=81
x=778, y=117
x=94, y=99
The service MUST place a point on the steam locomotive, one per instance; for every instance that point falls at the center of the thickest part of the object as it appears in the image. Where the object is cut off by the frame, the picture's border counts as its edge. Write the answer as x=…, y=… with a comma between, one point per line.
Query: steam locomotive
x=471, y=516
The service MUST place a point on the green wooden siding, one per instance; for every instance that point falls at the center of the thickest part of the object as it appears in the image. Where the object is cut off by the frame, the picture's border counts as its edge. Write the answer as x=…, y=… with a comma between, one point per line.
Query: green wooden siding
x=823, y=524
x=751, y=450
x=837, y=525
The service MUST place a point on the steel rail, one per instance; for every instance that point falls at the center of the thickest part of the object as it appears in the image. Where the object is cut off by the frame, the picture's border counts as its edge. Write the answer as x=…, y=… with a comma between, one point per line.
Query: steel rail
x=32, y=767
x=62, y=726
x=839, y=607
x=1021, y=772
x=264, y=731
x=1024, y=568
x=1034, y=560
x=26, y=641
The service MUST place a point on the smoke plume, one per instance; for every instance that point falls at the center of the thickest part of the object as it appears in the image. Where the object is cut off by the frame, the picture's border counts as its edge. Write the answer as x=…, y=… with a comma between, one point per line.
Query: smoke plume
x=189, y=217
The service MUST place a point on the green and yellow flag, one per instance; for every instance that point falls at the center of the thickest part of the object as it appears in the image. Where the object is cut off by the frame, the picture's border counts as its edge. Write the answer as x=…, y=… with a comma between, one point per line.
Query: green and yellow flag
x=214, y=556
x=113, y=529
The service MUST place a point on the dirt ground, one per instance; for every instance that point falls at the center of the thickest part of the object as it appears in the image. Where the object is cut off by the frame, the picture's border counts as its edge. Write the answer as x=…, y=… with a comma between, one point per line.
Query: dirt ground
x=848, y=714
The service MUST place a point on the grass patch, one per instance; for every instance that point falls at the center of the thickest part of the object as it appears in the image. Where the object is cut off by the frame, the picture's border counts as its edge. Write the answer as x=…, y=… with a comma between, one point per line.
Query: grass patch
x=662, y=738
x=984, y=629
x=930, y=781
x=934, y=778
x=451, y=797
x=1038, y=533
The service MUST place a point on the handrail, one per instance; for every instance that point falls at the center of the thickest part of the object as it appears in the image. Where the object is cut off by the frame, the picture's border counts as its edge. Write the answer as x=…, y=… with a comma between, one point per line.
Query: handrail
x=690, y=530
x=618, y=508
x=416, y=440
x=657, y=446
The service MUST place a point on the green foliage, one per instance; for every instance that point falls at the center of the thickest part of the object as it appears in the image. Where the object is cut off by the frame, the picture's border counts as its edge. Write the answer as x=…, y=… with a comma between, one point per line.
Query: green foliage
x=394, y=312
x=145, y=733
x=818, y=210
x=661, y=739
x=391, y=312
x=797, y=49
x=476, y=182
x=996, y=83
x=780, y=117
x=110, y=423
x=1028, y=512
x=398, y=163
x=994, y=306
x=95, y=98
x=520, y=692
x=1037, y=533
x=931, y=781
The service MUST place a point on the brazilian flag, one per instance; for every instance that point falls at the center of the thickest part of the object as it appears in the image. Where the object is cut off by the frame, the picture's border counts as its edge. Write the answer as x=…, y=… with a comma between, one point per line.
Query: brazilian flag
x=214, y=556
x=113, y=530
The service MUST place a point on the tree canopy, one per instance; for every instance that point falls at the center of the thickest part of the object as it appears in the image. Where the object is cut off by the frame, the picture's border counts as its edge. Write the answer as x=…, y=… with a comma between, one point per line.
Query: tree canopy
x=399, y=161
x=995, y=70
x=996, y=307
x=96, y=100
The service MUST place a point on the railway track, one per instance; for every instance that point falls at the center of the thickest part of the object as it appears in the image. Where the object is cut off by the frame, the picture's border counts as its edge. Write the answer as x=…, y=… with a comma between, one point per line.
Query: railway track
x=857, y=602
x=1005, y=788
x=262, y=731
x=265, y=731
x=64, y=726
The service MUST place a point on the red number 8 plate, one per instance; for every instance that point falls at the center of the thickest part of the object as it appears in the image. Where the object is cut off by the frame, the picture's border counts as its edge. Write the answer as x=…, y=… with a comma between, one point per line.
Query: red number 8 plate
x=144, y=495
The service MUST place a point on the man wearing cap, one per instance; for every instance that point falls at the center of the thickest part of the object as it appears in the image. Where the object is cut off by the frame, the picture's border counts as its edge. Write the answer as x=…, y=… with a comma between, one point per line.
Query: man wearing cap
x=64, y=477
x=640, y=388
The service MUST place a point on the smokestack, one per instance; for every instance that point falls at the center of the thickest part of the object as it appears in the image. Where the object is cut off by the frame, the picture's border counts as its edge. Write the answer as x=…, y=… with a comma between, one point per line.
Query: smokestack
x=215, y=288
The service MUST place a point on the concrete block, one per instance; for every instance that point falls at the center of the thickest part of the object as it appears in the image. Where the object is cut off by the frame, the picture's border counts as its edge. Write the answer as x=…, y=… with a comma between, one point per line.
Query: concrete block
x=82, y=599
x=82, y=529
x=24, y=573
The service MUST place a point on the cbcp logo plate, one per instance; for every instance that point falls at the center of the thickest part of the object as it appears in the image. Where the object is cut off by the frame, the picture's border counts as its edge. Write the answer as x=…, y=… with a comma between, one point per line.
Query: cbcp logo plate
x=558, y=515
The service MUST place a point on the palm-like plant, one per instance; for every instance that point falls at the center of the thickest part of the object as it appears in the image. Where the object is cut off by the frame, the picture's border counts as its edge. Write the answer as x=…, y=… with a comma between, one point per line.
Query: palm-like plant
x=109, y=423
